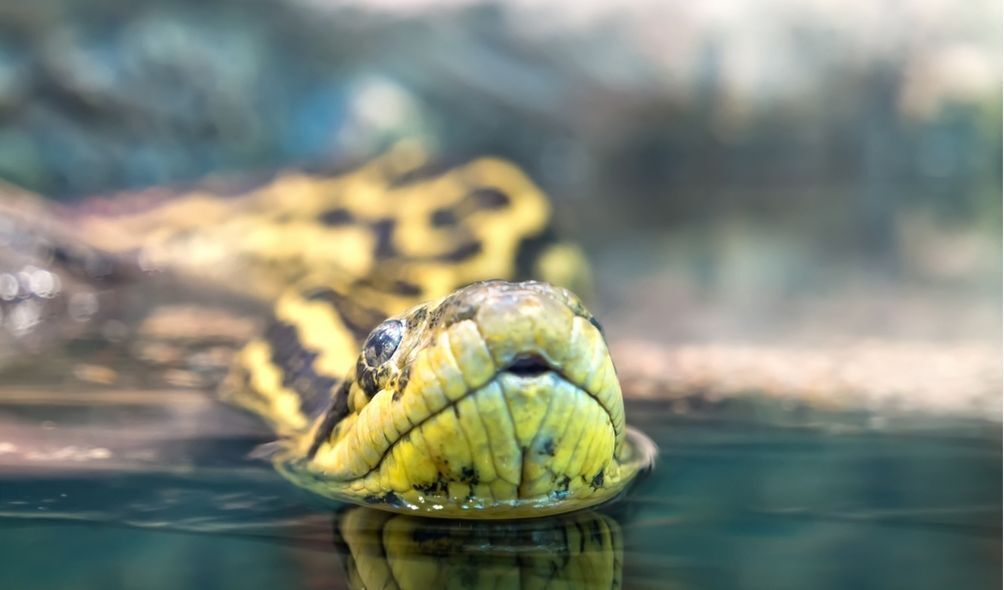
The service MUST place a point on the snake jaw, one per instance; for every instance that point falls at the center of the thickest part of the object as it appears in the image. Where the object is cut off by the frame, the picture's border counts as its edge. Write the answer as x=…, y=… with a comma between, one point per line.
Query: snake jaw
x=505, y=396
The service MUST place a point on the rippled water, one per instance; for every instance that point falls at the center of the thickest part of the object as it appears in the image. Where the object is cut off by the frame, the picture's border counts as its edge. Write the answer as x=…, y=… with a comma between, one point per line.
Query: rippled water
x=742, y=497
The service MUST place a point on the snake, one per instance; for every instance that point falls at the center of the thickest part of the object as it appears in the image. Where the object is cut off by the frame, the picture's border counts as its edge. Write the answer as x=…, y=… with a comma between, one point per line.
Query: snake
x=424, y=352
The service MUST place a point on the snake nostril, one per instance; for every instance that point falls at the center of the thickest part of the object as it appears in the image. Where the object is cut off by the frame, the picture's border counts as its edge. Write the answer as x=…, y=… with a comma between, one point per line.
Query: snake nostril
x=530, y=365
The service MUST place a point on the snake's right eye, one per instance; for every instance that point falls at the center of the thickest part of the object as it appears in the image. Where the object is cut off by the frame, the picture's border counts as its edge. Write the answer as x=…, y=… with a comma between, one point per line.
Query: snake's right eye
x=382, y=342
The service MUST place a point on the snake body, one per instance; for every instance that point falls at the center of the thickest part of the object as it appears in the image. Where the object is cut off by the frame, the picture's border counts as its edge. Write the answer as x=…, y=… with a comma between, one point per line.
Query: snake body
x=406, y=364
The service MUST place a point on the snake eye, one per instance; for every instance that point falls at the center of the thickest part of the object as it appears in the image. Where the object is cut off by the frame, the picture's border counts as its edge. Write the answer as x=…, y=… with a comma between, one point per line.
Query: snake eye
x=382, y=342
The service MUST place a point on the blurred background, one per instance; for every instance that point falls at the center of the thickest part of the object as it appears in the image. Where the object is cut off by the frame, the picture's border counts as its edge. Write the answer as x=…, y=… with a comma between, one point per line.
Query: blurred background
x=774, y=174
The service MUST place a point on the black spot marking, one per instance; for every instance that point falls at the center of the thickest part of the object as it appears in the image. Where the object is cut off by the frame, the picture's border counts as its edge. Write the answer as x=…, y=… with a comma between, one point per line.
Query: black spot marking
x=407, y=289
x=444, y=217
x=547, y=447
x=560, y=491
x=469, y=475
x=315, y=404
x=384, y=231
x=417, y=317
x=359, y=319
x=489, y=198
x=461, y=253
x=366, y=378
x=390, y=499
x=597, y=480
x=337, y=217
x=452, y=310
x=297, y=365
x=338, y=409
x=433, y=487
x=436, y=316
x=402, y=382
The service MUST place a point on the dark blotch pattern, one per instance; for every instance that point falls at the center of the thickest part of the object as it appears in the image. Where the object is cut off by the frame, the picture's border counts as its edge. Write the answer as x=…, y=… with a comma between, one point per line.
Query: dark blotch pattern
x=469, y=475
x=402, y=382
x=297, y=365
x=390, y=499
x=444, y=217
x=366, y=378
x=384, y=231
x=560, y=490
x=407, y=289
x=337, y=409
x=434, y=487
x=489, y=198
x=337, y=217
x=480, y=199
x=461, y=253
x=417, y=317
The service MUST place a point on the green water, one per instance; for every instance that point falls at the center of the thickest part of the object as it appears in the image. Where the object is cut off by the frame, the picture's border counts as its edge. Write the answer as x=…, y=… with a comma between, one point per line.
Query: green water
x=734, y=502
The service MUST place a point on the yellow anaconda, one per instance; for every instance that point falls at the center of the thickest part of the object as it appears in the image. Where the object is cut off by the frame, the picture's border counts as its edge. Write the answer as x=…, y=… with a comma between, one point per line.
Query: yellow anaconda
x=402, y=366
x=497, y=401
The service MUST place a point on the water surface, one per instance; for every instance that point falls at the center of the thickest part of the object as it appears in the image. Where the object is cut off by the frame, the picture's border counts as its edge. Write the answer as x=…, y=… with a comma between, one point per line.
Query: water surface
x=743, y=496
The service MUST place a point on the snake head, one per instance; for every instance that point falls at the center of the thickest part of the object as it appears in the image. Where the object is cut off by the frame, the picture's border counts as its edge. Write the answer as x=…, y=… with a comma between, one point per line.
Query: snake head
x=498, y=397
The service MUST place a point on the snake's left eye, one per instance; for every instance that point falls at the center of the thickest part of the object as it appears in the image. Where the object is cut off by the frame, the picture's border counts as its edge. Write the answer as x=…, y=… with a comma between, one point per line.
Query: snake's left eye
x=382, y=342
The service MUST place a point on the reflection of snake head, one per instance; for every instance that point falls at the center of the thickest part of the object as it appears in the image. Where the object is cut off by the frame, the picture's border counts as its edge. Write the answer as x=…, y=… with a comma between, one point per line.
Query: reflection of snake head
x=381, y=550
x=499, y=400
